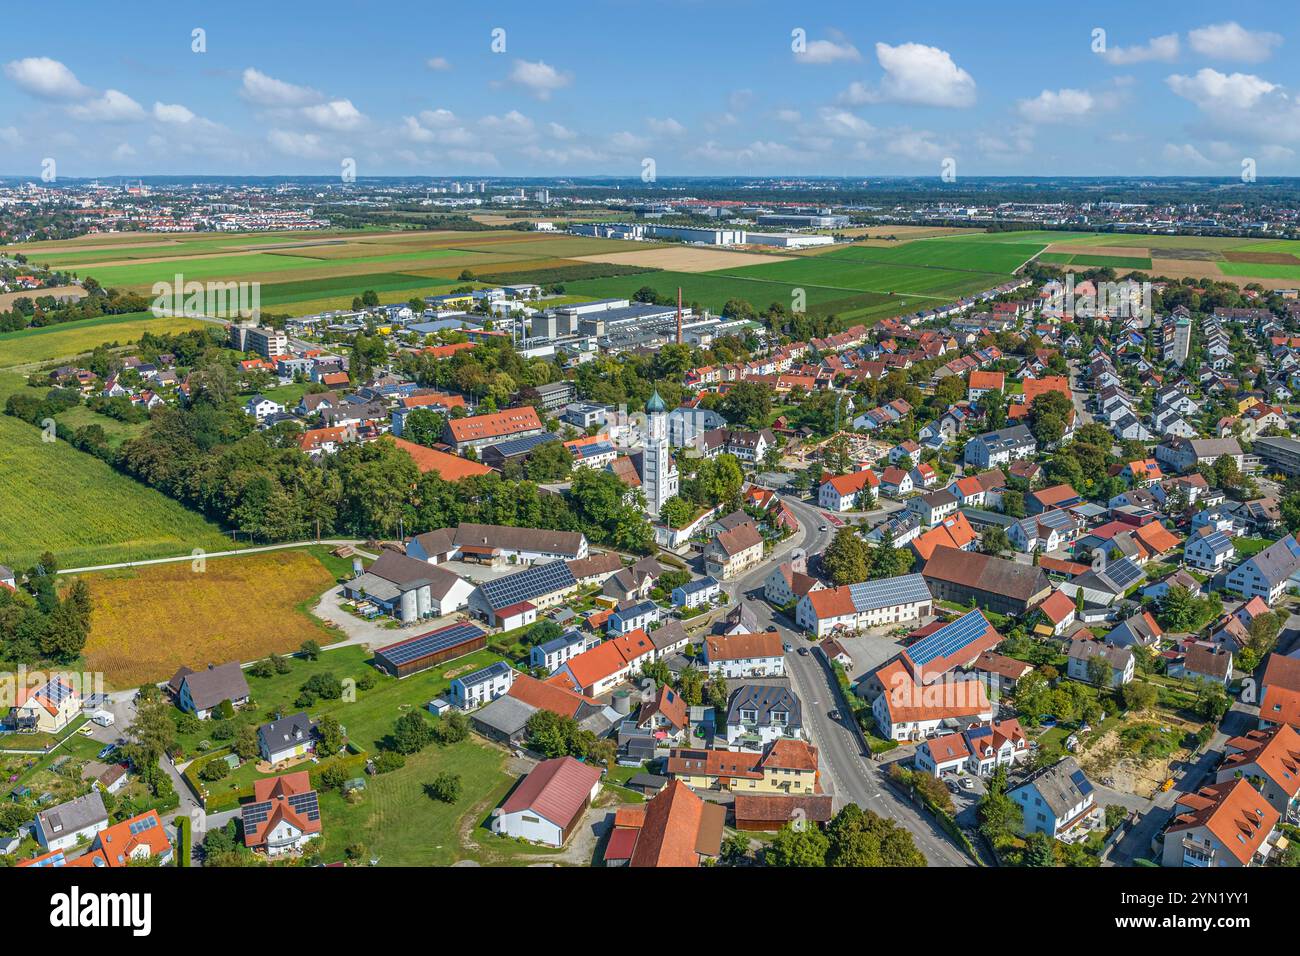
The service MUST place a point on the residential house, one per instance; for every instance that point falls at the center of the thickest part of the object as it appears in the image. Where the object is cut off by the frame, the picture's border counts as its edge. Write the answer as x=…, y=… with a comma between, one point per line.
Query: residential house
x=1208, y=549
x=288, y=738
x=869, y=604
x=471, y=691
x=697, y=593
x=553, y=654
x=1203, y=662
x=758, y=714
x=997, y=448
x=64, y=826
x=202, y=692
x=733, y=552
x=1225, y=824
x=1119, y=660
x=1268, y=573
x=1270, y=761
x=674, y=828
x=284, y=815
x=745, y=655
x=855, y=491
x=45, y=709
x=1057, y=800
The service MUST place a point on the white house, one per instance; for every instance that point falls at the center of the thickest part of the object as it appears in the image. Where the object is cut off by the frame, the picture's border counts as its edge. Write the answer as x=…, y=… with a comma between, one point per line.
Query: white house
x=549, y=803
x=287, y=738
x=1267, y=574
x=854, y=491
x=696, y=593
x=869, y=604
x=484, y=685
x=1056, y=800
x=554, y=654
x=67, y=824
x=994, y=449
x=260, y=407
x=1208, y=549
x=745, y=655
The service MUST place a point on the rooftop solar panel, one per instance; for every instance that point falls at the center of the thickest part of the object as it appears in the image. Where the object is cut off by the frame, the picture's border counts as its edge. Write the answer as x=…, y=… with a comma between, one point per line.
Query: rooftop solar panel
x=905, y=589
x=484, y=673
x=527, y=584
x=403, y=652
x=1124, y=573
x=948, y=639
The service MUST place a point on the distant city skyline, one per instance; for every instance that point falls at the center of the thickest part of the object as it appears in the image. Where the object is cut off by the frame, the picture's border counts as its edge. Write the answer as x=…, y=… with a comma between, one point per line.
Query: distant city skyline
x=700, y=89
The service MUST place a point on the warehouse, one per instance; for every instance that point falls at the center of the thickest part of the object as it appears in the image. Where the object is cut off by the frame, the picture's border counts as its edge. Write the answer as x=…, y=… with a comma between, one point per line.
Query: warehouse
x=417, y=654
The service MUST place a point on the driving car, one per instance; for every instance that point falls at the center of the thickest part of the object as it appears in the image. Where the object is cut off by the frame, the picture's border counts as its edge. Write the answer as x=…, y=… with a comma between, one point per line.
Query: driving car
x=834, y=715
x=787, y=647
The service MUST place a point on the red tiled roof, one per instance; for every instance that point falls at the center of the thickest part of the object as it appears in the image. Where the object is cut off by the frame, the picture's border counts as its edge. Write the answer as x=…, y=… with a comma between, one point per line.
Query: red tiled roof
x=447, y=467
x=556, y=790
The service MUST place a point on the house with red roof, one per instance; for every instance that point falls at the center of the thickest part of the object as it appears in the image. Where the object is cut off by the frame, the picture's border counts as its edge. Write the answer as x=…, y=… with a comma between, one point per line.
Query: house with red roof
x=1270, y=761
x=46, y=709
x=675, y=828
x=855, y=491
x=284, y=815
x=1223, y=824
x=548, y=804
x=1279, y=702
x=1059, y=612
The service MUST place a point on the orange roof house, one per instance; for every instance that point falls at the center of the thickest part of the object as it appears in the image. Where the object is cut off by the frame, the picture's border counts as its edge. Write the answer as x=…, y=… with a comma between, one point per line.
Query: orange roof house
x=678, y=828
x=952, y=532
x=1229, y=817
x=284, y=814
x=987, y=381
x=1048, y=383
x=138, y=838
x=513, y=421
x=445, y=466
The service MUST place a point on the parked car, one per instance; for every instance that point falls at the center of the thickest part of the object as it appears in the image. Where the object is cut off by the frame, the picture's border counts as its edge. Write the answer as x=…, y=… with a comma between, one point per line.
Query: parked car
x=967, y=783
x=803, y=652
x=834, y=715
x=788, y=647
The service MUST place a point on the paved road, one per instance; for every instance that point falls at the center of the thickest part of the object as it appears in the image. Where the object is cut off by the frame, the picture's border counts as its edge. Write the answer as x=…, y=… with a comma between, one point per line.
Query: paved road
x=851, y=776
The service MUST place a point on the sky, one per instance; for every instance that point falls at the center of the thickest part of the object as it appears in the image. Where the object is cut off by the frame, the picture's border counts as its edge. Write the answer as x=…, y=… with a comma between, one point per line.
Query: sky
x=713, y=87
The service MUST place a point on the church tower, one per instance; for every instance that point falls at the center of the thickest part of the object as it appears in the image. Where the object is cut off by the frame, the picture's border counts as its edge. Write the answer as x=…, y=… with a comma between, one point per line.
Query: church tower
x=659, y=472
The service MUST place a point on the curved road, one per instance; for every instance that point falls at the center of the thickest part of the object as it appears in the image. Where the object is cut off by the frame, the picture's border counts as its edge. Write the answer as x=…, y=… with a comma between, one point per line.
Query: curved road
x=852, y=776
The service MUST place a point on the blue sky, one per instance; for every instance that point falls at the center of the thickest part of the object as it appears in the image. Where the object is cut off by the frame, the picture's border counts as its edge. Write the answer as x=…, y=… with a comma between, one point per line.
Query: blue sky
x=703, y=88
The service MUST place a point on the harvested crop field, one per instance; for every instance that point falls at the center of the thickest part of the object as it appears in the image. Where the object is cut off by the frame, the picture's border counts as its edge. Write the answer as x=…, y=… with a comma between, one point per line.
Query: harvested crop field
x=149, y=621
x=1268, y=258
x=1074, y=248
x=1193, y=269
x=683, y=259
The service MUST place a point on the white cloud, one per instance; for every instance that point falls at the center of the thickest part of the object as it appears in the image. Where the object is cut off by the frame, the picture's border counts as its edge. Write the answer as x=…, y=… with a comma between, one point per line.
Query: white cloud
x=541, y=79
x=511, y=126
x=124, y=151
x=842, y=124
x=172, y=113
x=46, y=78
x=1057, y=106
x=665, y=127
x=1232, y=41
x=1241, y=103
x=560, y=132
x=828, y=51
x=1185, y=156
x=1163, y=49
x=918, y=75
x=268, y=91
x=338, y=115
x=1211, y=90
x=113, y=107
x=438, y=63
x=300, y=145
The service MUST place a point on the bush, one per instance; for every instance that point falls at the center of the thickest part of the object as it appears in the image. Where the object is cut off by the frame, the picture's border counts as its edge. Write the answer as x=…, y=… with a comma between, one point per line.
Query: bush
x=387, y=761
x=214, y=770
x=445, y=787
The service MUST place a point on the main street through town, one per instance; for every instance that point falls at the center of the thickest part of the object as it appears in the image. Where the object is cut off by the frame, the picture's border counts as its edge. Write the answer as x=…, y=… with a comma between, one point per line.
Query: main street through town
x=846, y=767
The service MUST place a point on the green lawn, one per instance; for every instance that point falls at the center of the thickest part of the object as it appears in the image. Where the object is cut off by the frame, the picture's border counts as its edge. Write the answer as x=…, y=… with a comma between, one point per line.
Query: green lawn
x=1249, y=547
x=67, y=339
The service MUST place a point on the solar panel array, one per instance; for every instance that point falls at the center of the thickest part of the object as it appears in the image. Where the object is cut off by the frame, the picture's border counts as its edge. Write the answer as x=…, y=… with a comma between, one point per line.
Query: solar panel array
x=145, y=823
x=1082, y=782
x=518, y=446
x=403, y=652
x=484, y=673
x=527, y=584
x=904, y=589
x=949, y=638
x=305, y=805
x=1217, y=541
x=255, y=814
x=1124, y=574
x=1057, y=519
x=57, y=691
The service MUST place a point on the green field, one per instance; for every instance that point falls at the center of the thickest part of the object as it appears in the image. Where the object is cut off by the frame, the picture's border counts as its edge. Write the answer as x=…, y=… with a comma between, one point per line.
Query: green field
x=1118, y=263
x=847, y=276
x=73, y=338
x=1259, y=270
x=957, y=254
x=282, y=293
x=59, y=499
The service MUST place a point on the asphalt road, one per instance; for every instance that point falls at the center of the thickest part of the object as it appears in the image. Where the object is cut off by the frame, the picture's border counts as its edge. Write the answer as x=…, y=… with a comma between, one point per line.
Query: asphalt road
x=851, y=776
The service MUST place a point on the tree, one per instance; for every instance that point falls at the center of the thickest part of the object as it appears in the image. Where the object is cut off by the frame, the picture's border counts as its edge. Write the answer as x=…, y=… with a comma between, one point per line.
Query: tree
x=735, y=848
x=445, y=787
x=717, y=690
x=424, y=426
x=887, y=560
x=676, y=513
x=1013, y=503
x=549, y=462
x=1039, y=850
x=1139, y=695
x=151, y=734
x=329, y=736
x=747, y=404
x=411, y=733
x=310, y=650
x=246, y=744
x=804, y=847
x=847, y=558
x=1099, y=670
x=995, y=541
